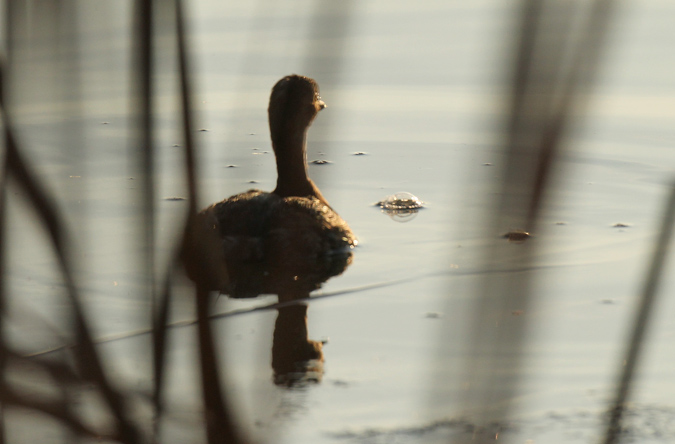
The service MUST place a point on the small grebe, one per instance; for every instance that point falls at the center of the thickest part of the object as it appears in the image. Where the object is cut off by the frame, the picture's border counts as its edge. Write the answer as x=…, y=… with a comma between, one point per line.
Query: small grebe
x=287, y=242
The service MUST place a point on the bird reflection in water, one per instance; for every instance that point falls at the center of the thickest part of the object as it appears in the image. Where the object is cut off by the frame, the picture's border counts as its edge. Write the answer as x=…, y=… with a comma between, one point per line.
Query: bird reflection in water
x=287, y=242
x=296, y=359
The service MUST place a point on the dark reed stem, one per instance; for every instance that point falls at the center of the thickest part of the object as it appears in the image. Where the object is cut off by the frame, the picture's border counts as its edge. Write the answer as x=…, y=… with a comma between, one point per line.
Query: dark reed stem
x=162, y=311
x=186, y=110
x=3, y=293
x=3, y=226
x=586, y=58
x=64, y=378
x=3, y=289
x=220, y=427
x=144, y=63
x=144, y=13
x=144, y=31
x=56, y=410
x=544, y=92
x=641, y=321
x=159, y=345
x=185, y=90
x=87, y=356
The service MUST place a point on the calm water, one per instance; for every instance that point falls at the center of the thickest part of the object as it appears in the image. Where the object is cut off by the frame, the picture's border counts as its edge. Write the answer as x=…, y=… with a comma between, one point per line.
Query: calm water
x=419, y=89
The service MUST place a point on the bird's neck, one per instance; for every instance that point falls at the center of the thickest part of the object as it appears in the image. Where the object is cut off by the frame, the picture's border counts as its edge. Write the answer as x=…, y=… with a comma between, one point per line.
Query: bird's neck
x=291, y=157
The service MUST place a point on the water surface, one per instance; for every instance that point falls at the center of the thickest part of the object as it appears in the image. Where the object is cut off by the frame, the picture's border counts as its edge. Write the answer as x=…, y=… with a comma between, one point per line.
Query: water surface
x=421, y=90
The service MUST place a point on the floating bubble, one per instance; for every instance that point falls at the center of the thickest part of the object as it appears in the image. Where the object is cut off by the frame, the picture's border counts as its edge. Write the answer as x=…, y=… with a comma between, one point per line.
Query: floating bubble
x=402, y=207
x=401, y=201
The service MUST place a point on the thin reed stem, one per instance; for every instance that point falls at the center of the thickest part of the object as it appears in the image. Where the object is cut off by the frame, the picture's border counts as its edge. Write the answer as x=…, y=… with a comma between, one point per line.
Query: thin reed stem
x=641, y=321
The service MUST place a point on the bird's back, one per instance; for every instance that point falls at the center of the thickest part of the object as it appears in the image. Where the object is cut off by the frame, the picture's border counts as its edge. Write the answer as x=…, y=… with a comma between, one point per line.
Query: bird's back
x=273, y=244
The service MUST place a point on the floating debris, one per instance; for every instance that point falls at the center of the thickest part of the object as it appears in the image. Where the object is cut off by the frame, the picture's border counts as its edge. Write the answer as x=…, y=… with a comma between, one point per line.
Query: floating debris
x=561, y=223
x=433, y=315
x=402, y=206
x=175, y=145
x=175, y=198
x=517, y=236
x=487, y=164
x=105, y=123
x=360, y=153
x=202, y=130
x=320, y=162
x=608, y=301
x=253, y=181
x=232, y=166
x=620, y=225
x=251, y=134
